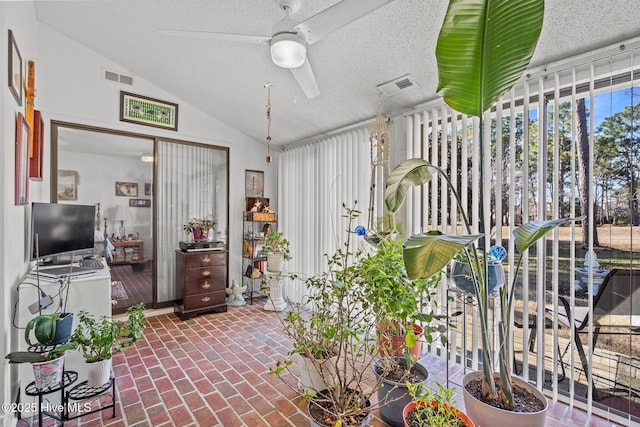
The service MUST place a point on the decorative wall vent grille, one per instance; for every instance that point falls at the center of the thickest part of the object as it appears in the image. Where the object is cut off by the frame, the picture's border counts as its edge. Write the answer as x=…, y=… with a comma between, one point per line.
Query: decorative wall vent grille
x=118, y=78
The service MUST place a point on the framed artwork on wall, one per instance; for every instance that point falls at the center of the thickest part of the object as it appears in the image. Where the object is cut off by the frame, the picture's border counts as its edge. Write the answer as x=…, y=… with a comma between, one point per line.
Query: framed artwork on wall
x=35, y=162
x=16, y=78
x=67, y=185
x=140, y=203
x=253, y=183
x=22, y=161
x=128, y=189
x=148, y=111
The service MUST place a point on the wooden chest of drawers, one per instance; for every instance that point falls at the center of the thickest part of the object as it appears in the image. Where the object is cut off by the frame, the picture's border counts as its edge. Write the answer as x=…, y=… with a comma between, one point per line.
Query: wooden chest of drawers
x=201, y=282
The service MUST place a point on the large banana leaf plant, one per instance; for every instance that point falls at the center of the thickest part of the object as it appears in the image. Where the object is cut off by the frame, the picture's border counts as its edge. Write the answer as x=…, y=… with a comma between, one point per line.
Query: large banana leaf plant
x=426, y=254
x=483, y=48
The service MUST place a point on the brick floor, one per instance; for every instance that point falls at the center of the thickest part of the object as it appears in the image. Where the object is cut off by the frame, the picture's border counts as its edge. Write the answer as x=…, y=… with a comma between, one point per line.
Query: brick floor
x=211, y=371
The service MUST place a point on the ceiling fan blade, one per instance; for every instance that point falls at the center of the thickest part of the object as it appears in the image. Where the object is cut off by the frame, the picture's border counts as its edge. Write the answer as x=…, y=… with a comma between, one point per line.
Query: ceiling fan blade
x=306, y=79
x=336, y=16
x=240, y=38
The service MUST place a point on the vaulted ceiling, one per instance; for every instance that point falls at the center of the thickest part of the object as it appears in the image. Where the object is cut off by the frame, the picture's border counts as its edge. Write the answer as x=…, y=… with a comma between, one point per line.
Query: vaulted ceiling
x=226, y=79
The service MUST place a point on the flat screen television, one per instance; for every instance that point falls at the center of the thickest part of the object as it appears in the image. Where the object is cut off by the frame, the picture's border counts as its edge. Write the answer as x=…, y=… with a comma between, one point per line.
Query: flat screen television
x=61, y=229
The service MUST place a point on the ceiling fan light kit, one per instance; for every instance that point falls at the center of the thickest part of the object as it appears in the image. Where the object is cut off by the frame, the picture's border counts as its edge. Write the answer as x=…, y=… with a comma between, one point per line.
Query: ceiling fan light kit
x=288, y=50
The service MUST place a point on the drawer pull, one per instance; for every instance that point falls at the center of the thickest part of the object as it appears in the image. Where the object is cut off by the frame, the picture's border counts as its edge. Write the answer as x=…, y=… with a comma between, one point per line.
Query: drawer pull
x=206, y=285
x=206, y=259
x=205, y=299
x=206, y=273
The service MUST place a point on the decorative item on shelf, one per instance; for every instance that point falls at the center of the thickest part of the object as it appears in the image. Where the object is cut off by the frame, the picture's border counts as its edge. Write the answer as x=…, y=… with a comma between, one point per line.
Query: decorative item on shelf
x=99, y=339
x=122, y=214
x=200, y=228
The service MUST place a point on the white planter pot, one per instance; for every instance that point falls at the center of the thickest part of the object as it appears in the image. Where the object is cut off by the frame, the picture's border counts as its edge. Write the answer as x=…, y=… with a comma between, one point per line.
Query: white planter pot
x=313, y=374
x=483, y=414
x=98, y=373
x=274, y=262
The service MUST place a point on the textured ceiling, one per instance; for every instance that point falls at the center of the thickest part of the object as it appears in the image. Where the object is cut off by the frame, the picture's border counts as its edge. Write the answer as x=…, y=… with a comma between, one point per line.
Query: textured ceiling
x=226, y=79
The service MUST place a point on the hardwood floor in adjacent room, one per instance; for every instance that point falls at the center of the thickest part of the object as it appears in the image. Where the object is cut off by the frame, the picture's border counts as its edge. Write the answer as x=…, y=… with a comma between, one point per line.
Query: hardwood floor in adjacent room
x=137, y=284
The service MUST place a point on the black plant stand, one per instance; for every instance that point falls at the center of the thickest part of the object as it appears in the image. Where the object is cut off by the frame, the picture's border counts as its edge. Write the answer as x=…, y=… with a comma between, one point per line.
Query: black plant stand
x=68, y=378
x=84, y=391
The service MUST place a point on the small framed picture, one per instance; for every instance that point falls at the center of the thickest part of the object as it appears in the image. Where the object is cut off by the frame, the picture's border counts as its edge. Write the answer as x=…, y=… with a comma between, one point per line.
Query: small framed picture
x=147, y=189
x=37, y=148
x=253, y=183
x=127, y=189
x=148, y=111
x=22, y=161
x=67, y=185
x=16, y=78
x=140, y=203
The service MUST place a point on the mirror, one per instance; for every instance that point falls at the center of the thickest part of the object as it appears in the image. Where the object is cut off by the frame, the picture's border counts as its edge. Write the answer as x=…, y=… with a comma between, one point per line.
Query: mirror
x=126, y=175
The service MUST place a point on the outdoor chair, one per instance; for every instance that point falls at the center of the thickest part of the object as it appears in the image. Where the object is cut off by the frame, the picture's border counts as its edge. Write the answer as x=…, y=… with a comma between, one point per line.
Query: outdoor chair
x=616, y=307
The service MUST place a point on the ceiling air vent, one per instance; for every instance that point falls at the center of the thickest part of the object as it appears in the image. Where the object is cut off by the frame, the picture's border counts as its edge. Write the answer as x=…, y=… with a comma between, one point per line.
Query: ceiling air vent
x=118, y=78
x=396, y=85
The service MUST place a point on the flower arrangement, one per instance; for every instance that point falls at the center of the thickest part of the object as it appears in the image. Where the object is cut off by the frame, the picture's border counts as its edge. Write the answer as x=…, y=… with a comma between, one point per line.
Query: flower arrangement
x=199, y=227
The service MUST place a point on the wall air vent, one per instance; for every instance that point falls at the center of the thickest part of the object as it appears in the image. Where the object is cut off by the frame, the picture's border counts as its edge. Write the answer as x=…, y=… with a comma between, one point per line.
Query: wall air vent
x=118, y=78
x=396, y=85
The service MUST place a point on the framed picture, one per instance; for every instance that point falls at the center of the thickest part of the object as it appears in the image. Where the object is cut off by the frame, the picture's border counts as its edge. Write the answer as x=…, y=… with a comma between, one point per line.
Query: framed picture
x=37, y=148
x=148, y=111
x=147, y=189
x=67, y=185
x=140, y=203
x=22, y=161
x=16, y=78
x=128, y=189
x=253, y=183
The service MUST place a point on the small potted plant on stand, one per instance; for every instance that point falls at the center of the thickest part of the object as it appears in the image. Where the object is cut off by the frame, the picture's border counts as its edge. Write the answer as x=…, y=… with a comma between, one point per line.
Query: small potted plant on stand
x=200, y=228
x=47, y=362
x=98, y=339
x=49, y=329
x=276, y=248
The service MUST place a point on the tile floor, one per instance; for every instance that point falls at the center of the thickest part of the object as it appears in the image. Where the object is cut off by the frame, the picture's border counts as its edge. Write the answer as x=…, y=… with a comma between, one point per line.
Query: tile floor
x=211, y=371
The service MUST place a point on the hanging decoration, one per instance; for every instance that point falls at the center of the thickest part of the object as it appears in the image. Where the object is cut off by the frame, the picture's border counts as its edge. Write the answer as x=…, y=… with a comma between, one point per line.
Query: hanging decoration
x=378, y=224
x=268, y=86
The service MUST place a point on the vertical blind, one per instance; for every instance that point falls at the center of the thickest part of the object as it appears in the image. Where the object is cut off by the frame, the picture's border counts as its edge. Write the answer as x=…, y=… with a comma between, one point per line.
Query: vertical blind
x=525, y=176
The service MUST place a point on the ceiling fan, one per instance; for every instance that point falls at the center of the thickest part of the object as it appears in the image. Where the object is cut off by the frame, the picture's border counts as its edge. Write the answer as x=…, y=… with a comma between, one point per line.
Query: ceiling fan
x=289, y=40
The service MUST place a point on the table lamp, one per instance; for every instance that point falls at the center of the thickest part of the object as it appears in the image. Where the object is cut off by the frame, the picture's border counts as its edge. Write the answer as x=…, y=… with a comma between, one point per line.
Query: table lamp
x=122, y=214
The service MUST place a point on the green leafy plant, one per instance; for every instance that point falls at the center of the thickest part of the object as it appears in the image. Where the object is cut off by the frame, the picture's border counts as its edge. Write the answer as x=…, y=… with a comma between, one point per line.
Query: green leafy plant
x=201, y=224
x=433, y=408
x=275, y=243
x=98, y=339
x=427, y=254
x=35, y=357
x=44, y=328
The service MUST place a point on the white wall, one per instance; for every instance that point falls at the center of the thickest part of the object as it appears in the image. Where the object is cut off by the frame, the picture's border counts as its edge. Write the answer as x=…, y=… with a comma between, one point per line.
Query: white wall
x=69, y=87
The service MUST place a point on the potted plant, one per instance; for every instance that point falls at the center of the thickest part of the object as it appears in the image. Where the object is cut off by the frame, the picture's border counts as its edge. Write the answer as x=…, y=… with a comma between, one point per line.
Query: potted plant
x=49, y=329
x=433, y=408
x=98, y=339
x=200, y=228
x=340, y=320
x=402, y=305
x=47, y=363
x=276, y=248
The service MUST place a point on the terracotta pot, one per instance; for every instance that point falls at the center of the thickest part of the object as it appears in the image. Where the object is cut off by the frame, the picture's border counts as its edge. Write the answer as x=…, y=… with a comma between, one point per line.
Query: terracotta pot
x=392, y=343
x=484, y=415
x=397, y=396
x=461, y=415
